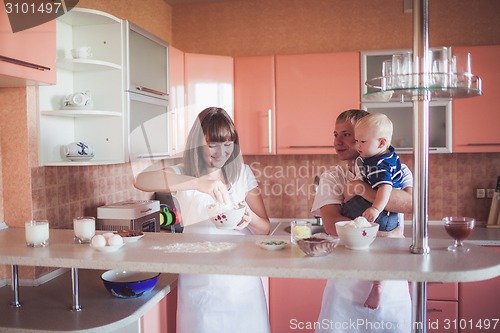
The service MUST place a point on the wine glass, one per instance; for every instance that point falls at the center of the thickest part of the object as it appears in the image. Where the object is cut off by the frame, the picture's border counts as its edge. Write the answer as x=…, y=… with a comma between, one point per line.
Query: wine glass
x=459, y=228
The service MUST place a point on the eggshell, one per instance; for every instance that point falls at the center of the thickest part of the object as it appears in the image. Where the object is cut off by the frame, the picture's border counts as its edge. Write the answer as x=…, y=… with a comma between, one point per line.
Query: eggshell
x=115, y=240
x=98, y=241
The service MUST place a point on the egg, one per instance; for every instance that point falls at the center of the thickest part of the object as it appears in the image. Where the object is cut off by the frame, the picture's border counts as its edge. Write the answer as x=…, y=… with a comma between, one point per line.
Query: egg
x=108, y=235
x=115, y=240
x=98, y=241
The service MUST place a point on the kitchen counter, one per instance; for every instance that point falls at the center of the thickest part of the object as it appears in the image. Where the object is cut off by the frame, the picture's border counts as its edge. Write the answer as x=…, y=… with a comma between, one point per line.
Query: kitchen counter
x=480, y=236
x=46, y=308
x=386, y=258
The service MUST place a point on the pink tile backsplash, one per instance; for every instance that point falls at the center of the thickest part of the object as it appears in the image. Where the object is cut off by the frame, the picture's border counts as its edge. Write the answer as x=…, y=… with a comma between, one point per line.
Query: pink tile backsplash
x=286, y=182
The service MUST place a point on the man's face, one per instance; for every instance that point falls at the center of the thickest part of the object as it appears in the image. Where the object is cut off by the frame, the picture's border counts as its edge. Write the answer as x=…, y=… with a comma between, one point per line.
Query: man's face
x=344, y=142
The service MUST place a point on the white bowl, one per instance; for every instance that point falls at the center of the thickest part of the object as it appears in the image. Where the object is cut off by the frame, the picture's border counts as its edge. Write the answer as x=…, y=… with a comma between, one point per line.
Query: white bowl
x=356, y=238
x=107, y=248
x=226, y=217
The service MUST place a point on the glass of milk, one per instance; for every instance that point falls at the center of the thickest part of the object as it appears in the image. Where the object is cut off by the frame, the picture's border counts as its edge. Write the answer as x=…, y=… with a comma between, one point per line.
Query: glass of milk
x=37, y=233
x=84, y=228
x=300, y=229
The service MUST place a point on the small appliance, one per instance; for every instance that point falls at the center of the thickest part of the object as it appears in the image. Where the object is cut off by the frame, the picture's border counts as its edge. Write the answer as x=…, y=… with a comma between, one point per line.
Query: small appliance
x=141, y=215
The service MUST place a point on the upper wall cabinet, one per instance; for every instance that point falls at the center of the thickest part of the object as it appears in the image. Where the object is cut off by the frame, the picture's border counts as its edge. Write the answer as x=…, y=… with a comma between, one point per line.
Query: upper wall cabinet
x=476, y=120
x=311, y=91
x=147, y=95
x=255, y=104
x=209, y=81
x=90, y=64
x=27, y=57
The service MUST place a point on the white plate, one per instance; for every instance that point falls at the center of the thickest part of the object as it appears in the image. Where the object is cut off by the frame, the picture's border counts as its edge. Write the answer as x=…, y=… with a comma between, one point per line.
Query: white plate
x=272, y=244
x=79, y=158
x=107, y=248
x=130, y=239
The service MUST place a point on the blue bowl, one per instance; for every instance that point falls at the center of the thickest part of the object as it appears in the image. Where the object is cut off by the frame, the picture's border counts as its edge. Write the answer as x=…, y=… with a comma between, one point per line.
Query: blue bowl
x=128, y=284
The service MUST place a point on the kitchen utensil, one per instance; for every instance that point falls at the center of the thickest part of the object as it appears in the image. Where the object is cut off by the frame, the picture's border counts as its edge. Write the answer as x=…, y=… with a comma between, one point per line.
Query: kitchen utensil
x=459, y=228
x=226, y=216
x=356, y=238
x=129, y=284
x=317, y=246
x=300, y=229
x=82, y=52
x=494, y=216
x=77, y=149
x=78, y=100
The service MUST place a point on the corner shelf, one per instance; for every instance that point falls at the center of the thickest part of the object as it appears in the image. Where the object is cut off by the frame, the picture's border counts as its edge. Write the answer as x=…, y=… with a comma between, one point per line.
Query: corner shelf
x=467, y=85
x=85, y=65
x=81, y=113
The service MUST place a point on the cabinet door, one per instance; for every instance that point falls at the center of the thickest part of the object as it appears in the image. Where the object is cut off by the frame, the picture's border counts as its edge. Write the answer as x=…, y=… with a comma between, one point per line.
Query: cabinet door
x=209, y=82
x=311, y=91
x=475, y=120
x=161, y=317
x=254, y=104
x=294, y=304
x=479, y=305
x=179, y=131
x=442, y=316
x=35, y=47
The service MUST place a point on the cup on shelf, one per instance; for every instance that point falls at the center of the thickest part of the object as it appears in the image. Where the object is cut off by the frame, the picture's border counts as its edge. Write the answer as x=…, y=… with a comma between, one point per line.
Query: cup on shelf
x=84, y=229
x=82, y=52
x=386, y=75
x=402, y=67
x=460, y=68
x=439, y=67
x=37, y=233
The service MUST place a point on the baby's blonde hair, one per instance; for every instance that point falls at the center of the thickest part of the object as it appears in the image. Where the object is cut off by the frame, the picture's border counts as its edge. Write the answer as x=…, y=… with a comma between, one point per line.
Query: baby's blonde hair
x=379, y=124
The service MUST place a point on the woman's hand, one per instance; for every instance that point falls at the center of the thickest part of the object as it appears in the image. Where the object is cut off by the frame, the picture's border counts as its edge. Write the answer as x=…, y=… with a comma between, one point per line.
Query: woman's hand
x=215, y=188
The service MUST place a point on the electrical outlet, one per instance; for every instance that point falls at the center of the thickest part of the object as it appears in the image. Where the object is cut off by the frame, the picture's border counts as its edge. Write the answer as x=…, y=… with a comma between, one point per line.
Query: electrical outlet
x=490, y=192
x=480, y=193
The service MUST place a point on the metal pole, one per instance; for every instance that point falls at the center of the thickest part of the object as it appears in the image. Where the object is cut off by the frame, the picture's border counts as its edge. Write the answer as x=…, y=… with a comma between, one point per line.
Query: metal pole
x=15, y=287
x=74, y=283
x=421, y=100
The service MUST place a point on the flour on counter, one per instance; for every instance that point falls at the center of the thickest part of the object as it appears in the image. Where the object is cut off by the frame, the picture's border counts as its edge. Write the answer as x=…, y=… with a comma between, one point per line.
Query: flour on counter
x=198, y=247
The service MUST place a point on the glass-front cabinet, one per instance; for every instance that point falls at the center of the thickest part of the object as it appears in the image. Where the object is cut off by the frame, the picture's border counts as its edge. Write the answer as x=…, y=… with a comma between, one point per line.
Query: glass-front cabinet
x=400, y=110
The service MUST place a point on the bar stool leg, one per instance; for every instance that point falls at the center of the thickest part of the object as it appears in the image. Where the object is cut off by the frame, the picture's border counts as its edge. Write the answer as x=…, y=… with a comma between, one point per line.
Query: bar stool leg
x=15, y=287
x=74, y=283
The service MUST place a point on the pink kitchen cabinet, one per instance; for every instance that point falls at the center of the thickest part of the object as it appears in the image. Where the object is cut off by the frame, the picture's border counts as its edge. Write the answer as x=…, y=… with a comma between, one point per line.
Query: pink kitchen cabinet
x=162, y=317
x=209, y=81
x=294, y=304
x=441, y=316
x=475, y=120
x=311, y=91
x=255, y=104
x=35, y=48
x=480, y=305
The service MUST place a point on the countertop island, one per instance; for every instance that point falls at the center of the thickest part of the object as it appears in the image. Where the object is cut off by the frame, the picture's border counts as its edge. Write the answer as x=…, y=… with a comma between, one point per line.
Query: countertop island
x=175, y=253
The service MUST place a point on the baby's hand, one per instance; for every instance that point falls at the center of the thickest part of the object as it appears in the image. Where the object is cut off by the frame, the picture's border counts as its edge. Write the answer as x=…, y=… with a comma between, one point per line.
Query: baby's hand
x=371, y=214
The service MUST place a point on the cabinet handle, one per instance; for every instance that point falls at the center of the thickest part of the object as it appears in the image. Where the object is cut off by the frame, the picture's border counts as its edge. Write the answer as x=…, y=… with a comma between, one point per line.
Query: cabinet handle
x=432, y=310
x=151, y=91
x=269, y=130
x=482, y=144
x=24, y=63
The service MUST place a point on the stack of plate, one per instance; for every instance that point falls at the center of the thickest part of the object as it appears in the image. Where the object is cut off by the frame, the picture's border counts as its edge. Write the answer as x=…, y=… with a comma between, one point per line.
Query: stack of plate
x=79, y=158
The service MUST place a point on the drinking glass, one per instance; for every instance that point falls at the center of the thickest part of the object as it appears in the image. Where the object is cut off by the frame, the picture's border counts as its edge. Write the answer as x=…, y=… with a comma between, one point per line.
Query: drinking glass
x=300, y=229
x=37, y=233
x=402, y=67
x=386, y=74
x=459, y=228
x=84, y=228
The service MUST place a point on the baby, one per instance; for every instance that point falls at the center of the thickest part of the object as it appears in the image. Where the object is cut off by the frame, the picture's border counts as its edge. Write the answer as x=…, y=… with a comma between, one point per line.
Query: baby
x=381, y=168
